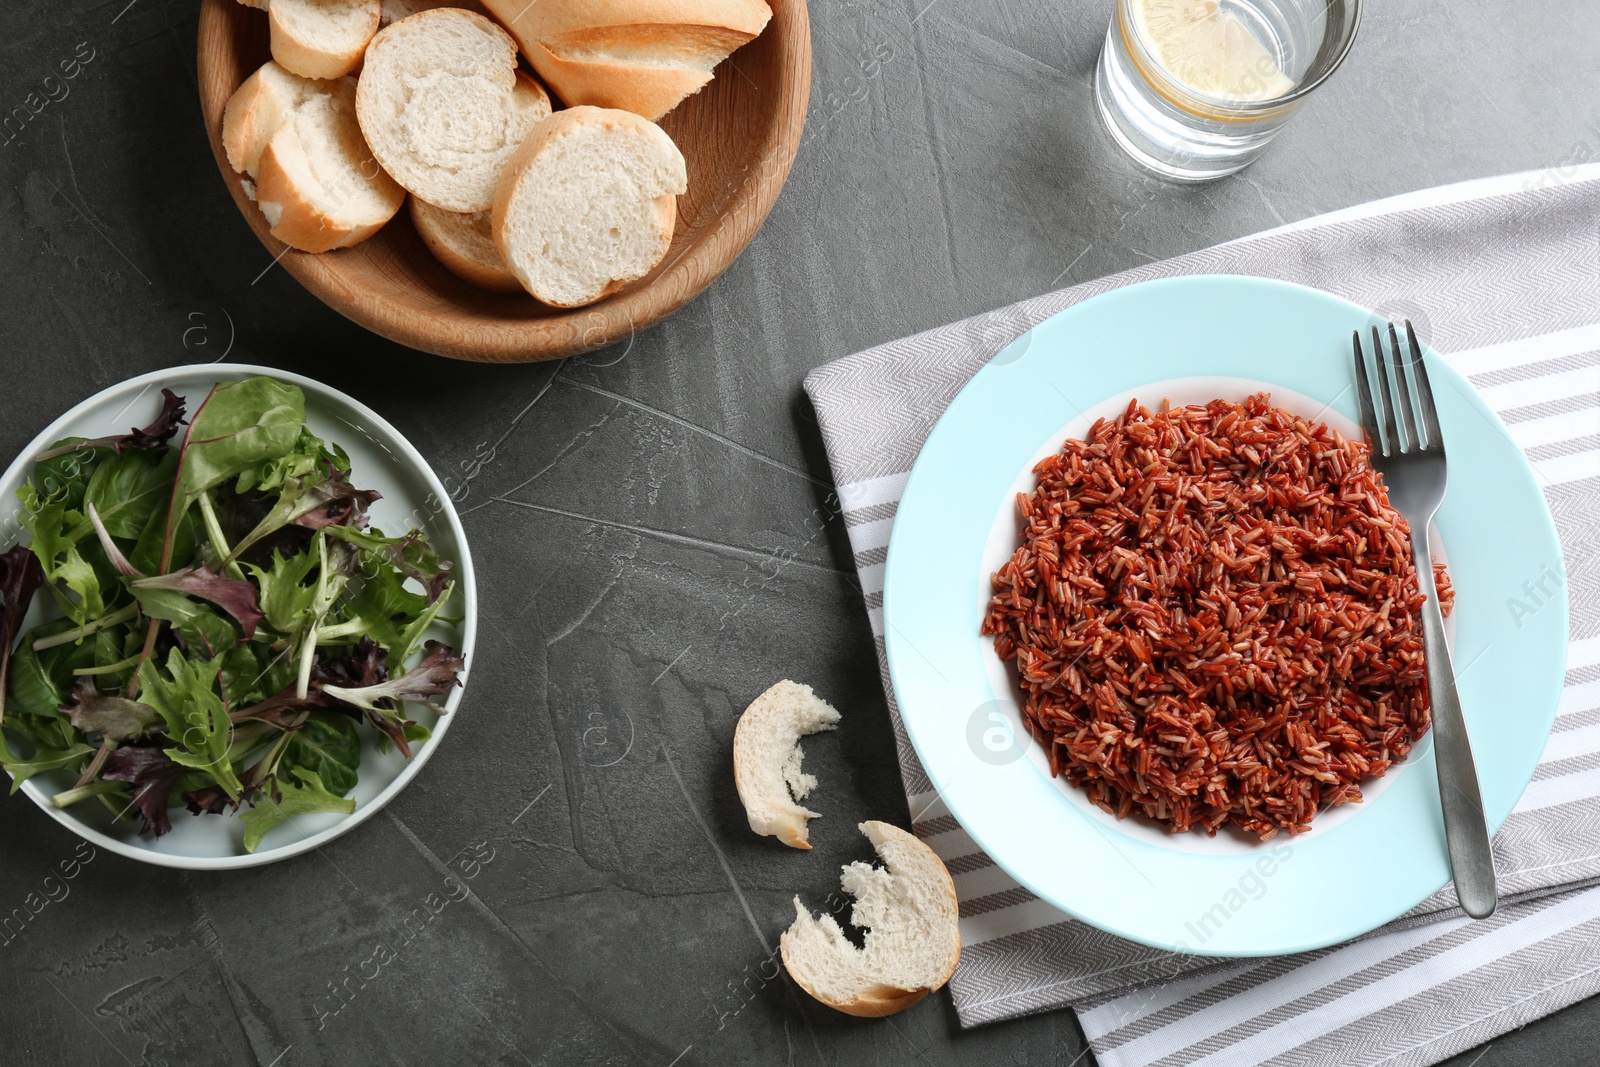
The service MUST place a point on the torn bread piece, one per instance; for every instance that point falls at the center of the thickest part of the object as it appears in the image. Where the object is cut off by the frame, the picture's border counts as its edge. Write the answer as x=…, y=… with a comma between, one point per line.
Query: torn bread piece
x=321, y=38
x=766, y=759
x=913, y=937
x=315, y=179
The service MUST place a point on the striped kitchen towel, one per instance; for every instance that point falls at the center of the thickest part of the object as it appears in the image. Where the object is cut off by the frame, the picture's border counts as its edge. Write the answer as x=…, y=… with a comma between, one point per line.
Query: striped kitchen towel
x=1503, y=276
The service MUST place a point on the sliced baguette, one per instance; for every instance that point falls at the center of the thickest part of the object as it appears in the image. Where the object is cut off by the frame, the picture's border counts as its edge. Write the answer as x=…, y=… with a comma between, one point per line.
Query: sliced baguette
x=321, y=38
x=642, y=56
x=766, y=759
x=588, y=204
x=395, y=10
x=259, y=108
x=462, y=241
x=913, y=936
x=444, y=106
x=315, y=180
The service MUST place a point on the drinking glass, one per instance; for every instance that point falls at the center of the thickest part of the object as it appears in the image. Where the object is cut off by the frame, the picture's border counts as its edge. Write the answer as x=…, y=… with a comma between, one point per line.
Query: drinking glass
x=1175, y=115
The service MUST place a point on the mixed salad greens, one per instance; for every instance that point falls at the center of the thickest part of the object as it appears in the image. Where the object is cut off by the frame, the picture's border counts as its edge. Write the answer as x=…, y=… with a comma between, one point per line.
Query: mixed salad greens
x=228, y=617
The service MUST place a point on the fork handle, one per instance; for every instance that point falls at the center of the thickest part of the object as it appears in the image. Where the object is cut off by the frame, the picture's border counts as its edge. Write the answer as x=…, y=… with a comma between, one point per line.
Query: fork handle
x=1465, y=830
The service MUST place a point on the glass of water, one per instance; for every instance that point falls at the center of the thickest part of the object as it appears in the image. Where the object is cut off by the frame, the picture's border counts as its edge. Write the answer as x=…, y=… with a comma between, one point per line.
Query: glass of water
x=1194, y=89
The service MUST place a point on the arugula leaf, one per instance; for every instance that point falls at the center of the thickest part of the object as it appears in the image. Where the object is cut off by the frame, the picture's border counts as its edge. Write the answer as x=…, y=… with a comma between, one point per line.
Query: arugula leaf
x=43, y=759
x=309, y=796
x=151, y=438
x=411, y=634
x=328, y=745
x=151, y=773
x=411, y=555
x=186, y=697
x=208, y=635
x=113, y=717
x=20, y=578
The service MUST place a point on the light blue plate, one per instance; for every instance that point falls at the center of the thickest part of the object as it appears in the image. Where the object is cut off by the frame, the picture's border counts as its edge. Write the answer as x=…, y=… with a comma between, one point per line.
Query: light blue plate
x=1196, y=339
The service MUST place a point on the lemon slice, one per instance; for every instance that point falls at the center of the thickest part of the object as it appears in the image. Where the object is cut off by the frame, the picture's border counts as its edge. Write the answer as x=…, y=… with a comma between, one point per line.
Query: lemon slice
x=1209, y=50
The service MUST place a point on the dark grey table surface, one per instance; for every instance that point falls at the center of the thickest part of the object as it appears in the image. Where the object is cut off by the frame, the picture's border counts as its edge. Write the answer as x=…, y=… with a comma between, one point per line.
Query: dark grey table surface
x=643, y=527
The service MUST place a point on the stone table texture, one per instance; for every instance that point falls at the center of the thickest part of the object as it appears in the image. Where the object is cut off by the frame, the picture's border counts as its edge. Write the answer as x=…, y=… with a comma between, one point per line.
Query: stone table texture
x=652, y=530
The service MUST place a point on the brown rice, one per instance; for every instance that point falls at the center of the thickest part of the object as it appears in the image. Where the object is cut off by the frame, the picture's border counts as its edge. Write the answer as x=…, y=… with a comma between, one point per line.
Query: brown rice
x=1213, y=614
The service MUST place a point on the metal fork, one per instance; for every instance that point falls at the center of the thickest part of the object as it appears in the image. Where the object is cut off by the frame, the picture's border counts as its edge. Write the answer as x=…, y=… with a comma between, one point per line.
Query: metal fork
x=1413, y=467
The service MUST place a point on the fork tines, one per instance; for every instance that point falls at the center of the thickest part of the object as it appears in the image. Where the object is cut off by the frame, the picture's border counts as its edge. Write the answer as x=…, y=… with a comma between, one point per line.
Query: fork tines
x=1392, y=403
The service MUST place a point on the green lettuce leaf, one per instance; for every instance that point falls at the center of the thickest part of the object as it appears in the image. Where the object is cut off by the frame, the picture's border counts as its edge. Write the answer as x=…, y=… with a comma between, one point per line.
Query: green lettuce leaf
x=40, y=682
x=391, y=614
x=240, y=425
x=309, y=796
x=64, y=564
x=43, y=759
x=284, y=596
x=309, y=453
x=329, y=746
x=185, y=695
x=411, y=555
x=146, y=554
x=128, y=490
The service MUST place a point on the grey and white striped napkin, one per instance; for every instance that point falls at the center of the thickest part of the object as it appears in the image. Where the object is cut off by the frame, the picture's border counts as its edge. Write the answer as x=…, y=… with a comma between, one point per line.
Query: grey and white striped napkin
x=1504, y=277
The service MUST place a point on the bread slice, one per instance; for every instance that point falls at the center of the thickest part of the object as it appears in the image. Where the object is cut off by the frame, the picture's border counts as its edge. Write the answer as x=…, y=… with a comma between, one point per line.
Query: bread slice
x=913, y=940
x=395, y=10
x=444, y=107
x=321, y=38
x=315, y=180
x=642, y=56
x=462, y=241
x=258, y=109
x=766, y=759
x=588, y=204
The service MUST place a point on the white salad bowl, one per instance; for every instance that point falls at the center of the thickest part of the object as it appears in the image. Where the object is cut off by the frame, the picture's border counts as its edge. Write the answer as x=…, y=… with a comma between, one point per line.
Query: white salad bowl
x=380, y=458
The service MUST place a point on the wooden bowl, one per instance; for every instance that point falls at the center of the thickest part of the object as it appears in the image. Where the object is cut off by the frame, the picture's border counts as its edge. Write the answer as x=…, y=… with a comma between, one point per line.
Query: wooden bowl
x=739, y=135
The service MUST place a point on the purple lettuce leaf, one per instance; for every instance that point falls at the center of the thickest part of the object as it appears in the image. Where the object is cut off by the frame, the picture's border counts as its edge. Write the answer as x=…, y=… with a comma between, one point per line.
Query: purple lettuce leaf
x=152, y=775
x=20, y=577
x=234, y=595
x=383, y=701
x=361, y=666
x=336, y=502
x=438, y=673
x=213, y=800
x=152, y=438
